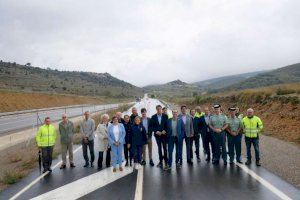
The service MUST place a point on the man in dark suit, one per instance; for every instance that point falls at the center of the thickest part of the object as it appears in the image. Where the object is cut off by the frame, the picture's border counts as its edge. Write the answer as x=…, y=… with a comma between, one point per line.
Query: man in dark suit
x=196, y=137
x=206, y=134
x=145, y=121
x=158, y=125
x=133, y=115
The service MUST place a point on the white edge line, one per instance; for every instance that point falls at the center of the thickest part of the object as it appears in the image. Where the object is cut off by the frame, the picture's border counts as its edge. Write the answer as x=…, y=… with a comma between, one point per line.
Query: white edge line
x=268, y=185
x=139, y=185
x=39, y=178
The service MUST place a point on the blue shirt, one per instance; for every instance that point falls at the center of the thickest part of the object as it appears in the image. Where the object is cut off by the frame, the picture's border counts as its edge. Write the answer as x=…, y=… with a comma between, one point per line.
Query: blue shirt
x=145, y=123
x=159, y=118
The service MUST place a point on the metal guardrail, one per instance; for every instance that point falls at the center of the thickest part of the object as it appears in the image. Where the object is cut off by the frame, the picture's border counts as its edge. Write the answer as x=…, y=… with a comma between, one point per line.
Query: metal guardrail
x=43, y=109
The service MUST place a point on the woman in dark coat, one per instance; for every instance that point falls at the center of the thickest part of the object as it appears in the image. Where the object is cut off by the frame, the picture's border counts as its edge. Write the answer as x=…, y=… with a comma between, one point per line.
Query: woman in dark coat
x=127, y=149
x=138, y=140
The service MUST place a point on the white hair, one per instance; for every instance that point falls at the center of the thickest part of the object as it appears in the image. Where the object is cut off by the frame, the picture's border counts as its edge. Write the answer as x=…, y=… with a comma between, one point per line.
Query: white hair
x=104, y=116
x=250, y=110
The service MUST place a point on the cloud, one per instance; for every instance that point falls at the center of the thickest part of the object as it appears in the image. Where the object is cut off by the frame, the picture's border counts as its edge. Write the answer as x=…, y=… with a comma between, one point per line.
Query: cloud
x=146, y=42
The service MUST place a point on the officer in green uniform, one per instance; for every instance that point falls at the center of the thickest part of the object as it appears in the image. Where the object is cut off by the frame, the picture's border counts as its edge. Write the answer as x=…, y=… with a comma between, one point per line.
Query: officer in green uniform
x=234, y=135
x=218, y=124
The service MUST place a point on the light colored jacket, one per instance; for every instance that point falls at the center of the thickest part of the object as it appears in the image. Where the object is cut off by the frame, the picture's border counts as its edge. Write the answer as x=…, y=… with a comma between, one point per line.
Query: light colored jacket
x=87, y=128
x=102, y=136
x=111, y=137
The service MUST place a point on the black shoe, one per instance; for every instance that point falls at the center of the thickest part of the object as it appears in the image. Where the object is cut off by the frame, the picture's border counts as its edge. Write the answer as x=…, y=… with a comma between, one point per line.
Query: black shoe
x=92, y=164
x=159, y=164
x=248, y=162
x=208, y=159
x=72, y=165
x=225, y=163
x=231, y=162
x=239, y=162
x=130, y=164
x=44, y=171
x=63, y=166
x=99, y=167
x=126, y=165
x=86, y=164
x=258, y=163
x=143, y=162
x=190, y=162
x=151, y=163
x=50, y=170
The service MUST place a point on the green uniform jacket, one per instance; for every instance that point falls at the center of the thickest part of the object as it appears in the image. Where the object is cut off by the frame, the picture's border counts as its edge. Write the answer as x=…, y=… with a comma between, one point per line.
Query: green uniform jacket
x=66, y=132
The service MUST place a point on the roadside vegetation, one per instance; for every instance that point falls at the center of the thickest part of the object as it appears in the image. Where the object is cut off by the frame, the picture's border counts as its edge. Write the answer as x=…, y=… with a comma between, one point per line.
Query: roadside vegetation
x=18, y=161
x=278, y=106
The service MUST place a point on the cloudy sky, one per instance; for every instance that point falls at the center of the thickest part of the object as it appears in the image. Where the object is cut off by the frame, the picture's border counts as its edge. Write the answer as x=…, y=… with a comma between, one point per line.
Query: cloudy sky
x=154, y=41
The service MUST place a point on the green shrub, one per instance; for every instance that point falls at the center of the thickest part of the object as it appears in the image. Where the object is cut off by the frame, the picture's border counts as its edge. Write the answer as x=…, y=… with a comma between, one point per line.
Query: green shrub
x=284, y=91
x=11, y=177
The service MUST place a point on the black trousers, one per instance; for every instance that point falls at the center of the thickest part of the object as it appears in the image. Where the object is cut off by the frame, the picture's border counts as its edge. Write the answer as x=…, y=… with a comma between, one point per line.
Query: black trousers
x=107, y=159
x=209, y=145
x=128, y=153
x=188, y=146
x=195, y=140
x=85, y=146
x=47, y=157
x=162, y=144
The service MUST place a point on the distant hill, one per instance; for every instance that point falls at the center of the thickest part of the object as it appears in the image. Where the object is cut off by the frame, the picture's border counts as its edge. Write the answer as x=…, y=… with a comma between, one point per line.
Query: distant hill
x=225, y=81
x=174, y=88
x=27, y=78
x=288, y=74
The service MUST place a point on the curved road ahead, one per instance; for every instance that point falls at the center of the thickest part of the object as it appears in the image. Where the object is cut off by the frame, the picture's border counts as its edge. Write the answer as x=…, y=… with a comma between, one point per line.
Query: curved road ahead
x=200, y=181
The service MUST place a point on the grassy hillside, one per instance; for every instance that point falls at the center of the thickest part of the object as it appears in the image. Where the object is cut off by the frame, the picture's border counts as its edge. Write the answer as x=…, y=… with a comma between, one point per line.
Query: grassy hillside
x=174, y=88
x=288, y=74
x=27, y=78
x=225, y=81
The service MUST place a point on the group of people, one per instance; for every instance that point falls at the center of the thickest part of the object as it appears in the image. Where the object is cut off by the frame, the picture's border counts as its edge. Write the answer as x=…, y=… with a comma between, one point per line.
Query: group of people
x=131, y=136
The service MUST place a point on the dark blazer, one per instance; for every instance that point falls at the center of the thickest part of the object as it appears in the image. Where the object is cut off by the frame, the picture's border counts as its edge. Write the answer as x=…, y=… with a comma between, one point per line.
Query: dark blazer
x=132, y=117
x=155, y=126
x=128, y=132
x=203, y=127
x=196, y=125
x=179, y=128
x=139, y=136
x=149, y=134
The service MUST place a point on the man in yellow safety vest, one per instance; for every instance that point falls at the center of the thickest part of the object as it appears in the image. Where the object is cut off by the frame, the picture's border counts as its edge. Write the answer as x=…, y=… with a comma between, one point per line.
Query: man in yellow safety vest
x=252, y=126
x=45, y=139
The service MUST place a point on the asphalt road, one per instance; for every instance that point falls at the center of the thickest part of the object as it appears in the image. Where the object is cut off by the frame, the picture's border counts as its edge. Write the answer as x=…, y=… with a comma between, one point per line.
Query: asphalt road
x=12, y=123
x=200, y=181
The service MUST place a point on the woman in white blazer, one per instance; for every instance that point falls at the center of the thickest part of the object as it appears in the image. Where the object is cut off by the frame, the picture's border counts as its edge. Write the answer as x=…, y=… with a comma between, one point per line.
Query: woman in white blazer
x=102, y=136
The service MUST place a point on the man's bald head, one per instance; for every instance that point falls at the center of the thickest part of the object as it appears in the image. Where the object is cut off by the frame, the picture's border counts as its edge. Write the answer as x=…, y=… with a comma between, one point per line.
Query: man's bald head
x=250, y=112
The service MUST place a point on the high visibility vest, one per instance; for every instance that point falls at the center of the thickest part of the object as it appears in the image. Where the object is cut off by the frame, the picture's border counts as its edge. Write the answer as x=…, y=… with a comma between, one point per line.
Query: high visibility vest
x=46, y=136
x=199, y=114
x=252, y=126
